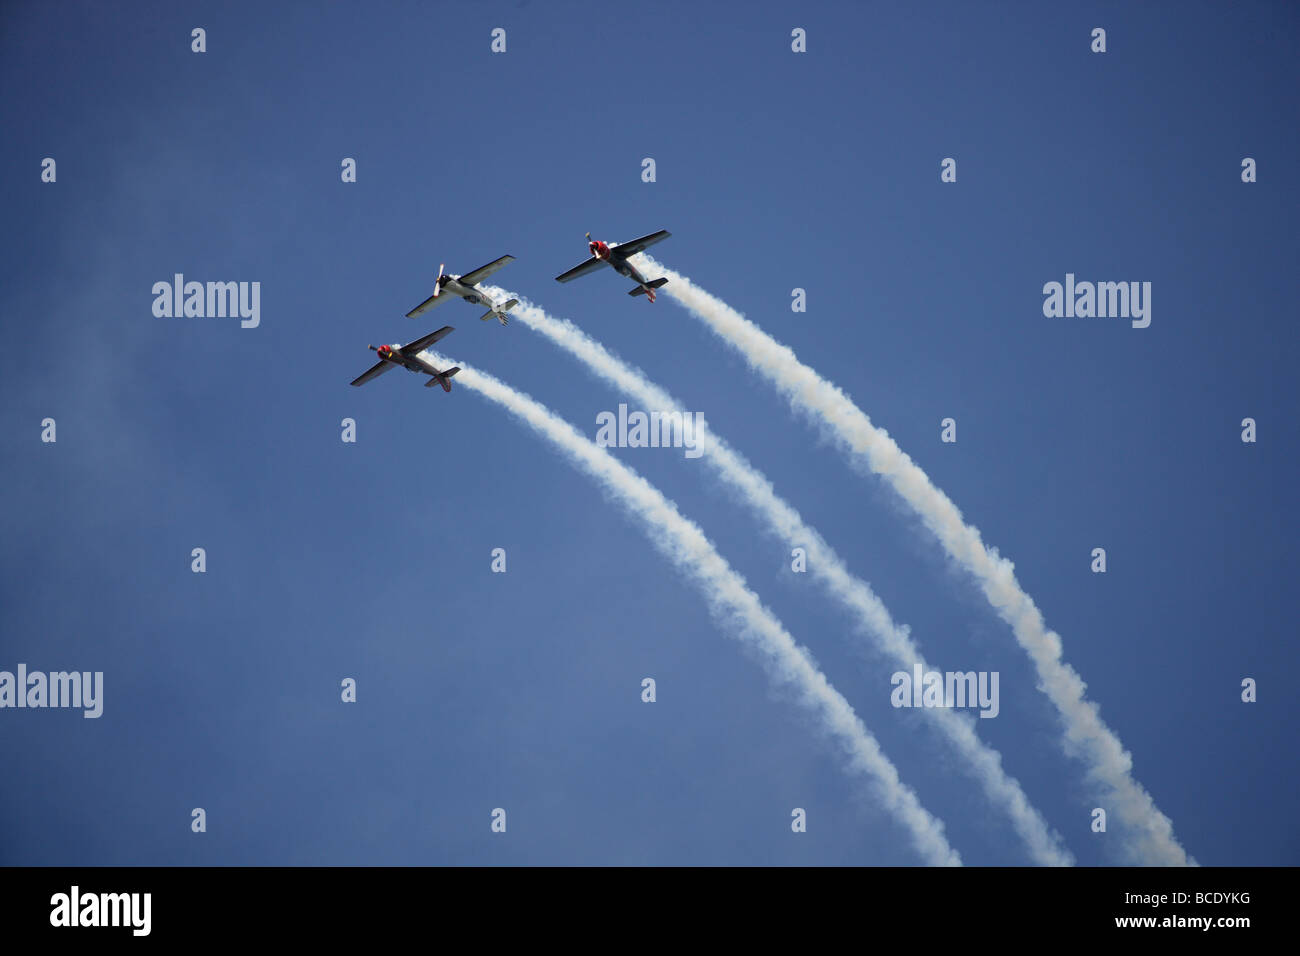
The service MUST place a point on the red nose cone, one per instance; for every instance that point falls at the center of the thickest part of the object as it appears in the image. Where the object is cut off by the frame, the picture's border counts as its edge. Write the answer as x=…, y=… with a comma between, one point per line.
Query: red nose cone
x=384, y=350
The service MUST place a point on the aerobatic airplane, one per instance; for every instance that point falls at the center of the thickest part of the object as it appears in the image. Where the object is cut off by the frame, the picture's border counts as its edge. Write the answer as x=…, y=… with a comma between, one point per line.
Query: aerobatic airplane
x=408, y=357
x=463, y=286
x=616, y=254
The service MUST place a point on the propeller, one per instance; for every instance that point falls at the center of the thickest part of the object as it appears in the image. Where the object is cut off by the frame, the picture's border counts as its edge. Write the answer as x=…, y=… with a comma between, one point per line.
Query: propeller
x=437, y=286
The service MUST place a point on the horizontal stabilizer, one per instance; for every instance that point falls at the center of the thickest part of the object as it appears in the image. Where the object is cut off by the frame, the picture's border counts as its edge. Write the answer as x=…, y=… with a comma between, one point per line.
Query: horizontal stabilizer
x=500, y=313
x=649, y=288
x=443, y=379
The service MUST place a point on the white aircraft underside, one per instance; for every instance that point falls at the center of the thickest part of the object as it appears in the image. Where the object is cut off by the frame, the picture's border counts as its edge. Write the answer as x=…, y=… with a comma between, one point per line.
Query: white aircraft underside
x=464, y=287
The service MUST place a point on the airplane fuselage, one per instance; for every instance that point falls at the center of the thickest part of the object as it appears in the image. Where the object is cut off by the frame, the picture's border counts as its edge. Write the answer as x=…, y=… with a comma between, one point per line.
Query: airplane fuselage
x=619, y=263
x=629, y=270
x=412, y=363
x=470, y=294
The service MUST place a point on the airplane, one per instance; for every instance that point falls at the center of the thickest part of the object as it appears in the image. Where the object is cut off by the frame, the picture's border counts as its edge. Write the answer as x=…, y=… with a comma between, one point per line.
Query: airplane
x=616, y=254
x=408, y=357
x=463, y=286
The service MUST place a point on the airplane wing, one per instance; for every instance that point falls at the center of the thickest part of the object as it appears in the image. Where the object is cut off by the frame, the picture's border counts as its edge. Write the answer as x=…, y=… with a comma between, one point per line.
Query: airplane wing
x=376, y=370
x=420, y=344
x=429, y=303
x=640, y=245
x=590, y=265
x=482, y=272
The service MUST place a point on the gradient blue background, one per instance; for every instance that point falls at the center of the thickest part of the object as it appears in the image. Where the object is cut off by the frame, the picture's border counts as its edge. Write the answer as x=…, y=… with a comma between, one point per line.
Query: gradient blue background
x=477, y=690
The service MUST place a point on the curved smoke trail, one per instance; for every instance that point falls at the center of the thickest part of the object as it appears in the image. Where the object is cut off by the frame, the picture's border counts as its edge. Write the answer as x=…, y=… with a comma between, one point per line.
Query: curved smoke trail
x=1086, y=734
x=731, y=602
x=824, y=565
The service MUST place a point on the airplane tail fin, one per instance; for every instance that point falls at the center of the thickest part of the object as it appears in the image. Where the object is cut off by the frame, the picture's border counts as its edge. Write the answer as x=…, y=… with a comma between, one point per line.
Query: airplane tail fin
x=500, y=313
x=649, y=288
x=443, y=379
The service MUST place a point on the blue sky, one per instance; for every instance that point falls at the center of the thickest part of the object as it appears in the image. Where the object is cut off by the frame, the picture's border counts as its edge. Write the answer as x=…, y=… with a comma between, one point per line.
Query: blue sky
x=775, y=170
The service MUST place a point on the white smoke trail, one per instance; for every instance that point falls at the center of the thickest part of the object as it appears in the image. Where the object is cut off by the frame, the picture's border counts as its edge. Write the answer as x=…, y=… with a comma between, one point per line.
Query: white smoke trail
x=824, y=565
x=1086, y=735
x=731, y=602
